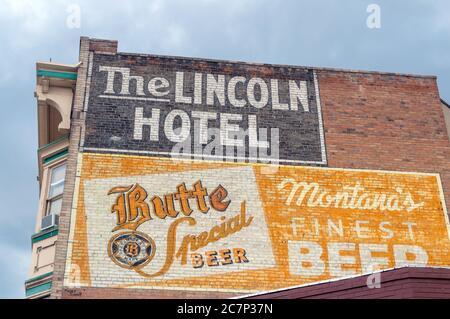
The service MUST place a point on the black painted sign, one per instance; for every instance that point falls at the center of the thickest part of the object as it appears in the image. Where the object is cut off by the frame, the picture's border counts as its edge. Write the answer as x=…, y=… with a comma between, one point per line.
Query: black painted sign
x=203, y=109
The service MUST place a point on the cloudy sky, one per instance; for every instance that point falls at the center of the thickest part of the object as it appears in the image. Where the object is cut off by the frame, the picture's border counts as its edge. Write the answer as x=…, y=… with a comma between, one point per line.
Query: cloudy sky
x=414, y=37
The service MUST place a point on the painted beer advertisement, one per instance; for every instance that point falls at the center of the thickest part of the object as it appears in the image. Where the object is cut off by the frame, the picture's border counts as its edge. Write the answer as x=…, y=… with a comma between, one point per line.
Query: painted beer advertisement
x=159, y=223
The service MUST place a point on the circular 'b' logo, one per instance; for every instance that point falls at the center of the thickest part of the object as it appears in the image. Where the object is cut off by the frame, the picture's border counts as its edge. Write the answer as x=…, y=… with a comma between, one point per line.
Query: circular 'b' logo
x=131, y=249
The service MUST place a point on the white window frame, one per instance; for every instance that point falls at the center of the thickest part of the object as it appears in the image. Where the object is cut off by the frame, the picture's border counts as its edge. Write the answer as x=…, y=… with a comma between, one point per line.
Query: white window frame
x=49, y=200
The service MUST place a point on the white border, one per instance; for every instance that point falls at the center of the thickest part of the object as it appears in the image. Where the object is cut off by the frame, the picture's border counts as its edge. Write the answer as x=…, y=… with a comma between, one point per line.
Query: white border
x=137, y=98
x=86, y=98
x=174, y=155
x=319, y=115
x=88, y=84
x=444, y=207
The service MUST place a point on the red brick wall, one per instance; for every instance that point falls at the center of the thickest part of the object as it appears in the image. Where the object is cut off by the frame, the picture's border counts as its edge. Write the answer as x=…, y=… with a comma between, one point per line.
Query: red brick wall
x=386, y=122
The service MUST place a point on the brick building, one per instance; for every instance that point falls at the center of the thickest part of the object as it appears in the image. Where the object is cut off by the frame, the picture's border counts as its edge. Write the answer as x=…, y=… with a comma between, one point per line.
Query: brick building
x=172, y=177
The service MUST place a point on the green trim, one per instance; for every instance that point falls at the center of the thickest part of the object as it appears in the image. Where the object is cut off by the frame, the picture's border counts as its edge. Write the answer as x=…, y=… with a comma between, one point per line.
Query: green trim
x=39, y=277
x=65, y=136
x=57, y=74
x=55, y=156
x=44, y=235
x=38, y=289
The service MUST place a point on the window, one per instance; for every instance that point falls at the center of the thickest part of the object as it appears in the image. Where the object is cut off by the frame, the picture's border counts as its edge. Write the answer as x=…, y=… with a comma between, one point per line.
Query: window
x=55, y=190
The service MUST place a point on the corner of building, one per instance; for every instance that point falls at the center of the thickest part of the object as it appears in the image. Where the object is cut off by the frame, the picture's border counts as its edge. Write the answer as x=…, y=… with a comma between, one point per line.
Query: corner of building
x=75, y=141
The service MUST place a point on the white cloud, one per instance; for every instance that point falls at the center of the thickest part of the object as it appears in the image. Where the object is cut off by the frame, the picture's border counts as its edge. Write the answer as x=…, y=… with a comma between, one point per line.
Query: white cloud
x=175, y=37
x=155, y=6
x=31, y=16
x=442, y=21
x=14, y=263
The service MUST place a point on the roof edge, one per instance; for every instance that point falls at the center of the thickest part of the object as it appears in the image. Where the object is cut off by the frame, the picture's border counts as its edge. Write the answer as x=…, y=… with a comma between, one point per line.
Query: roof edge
x=333, y=280
x=326, y=69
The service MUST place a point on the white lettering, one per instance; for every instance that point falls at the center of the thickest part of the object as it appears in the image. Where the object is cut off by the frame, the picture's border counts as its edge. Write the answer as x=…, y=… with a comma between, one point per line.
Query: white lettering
x=140, y=121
